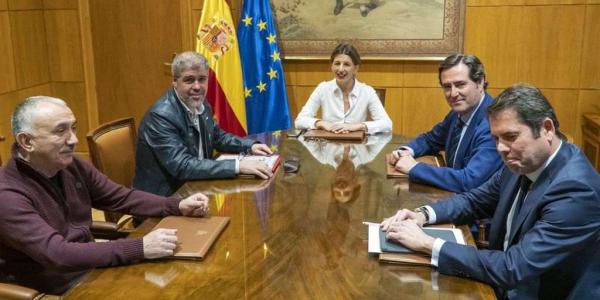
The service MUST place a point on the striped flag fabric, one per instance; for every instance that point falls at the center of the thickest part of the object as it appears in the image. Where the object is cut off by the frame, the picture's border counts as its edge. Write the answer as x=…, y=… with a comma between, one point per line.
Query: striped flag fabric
x=264, y=83
x=217, y=41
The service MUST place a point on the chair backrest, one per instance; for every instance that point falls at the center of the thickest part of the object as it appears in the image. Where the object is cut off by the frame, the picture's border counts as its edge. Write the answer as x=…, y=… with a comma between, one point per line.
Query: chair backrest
x=112, y=149
x=1, y=140
x=381, y=95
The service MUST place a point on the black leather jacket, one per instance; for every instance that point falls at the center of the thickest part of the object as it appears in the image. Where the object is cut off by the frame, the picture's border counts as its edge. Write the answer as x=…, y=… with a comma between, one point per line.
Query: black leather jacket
x=167, y=148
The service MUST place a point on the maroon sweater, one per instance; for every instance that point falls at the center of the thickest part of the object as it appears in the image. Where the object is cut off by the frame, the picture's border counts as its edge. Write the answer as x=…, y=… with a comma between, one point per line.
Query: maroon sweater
x=45, y=238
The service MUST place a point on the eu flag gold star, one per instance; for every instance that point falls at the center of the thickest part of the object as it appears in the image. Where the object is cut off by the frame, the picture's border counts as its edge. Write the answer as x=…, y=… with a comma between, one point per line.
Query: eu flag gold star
x=272, y=73
x=275, y=56
x=261, y=86
x=262, y=25
x=247, y=21
x=271, y=38
x=247, y=92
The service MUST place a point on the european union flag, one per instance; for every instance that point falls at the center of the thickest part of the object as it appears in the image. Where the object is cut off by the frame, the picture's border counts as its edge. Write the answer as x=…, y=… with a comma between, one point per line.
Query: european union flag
x=264, y=83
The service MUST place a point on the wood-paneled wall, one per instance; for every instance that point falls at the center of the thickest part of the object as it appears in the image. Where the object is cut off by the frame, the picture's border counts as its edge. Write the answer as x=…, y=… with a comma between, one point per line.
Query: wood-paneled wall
x=131, y=41
x=41, y=54
x=550, y=44
x=106, y=58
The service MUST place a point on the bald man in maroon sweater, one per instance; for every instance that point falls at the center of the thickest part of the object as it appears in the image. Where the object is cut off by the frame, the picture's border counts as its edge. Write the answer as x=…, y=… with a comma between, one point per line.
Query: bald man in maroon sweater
x=47, y=193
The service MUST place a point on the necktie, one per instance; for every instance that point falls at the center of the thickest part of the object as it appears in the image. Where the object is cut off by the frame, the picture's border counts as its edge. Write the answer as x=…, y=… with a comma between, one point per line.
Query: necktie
x=454, y=140
x=524, y=184
x=508, y=229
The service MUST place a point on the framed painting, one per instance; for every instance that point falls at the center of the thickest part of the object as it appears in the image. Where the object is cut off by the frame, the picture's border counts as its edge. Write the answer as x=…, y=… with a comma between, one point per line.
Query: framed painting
x=380, y=29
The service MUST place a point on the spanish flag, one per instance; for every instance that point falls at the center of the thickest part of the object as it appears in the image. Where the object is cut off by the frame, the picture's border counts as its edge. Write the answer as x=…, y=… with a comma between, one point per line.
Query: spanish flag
x=217, y=41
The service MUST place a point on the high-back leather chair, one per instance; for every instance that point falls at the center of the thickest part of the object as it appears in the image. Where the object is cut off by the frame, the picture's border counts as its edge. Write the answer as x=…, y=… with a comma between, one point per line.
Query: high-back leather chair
x=112, y=150
x=1, y=140
x=381, y=94
x=13, y=291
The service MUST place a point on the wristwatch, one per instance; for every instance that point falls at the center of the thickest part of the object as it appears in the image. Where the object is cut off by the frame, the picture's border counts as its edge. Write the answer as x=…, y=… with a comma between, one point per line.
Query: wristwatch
x=424, y=211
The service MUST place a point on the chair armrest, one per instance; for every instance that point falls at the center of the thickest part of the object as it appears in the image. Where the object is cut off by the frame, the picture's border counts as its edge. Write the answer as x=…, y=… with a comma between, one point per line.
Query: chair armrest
x=482, y=239
x=107, y=230
x=17, y=292
x=104, y=226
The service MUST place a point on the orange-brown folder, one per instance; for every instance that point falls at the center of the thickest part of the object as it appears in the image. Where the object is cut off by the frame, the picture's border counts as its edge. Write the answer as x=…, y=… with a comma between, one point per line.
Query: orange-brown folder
x=194, y=235
x=406, y=258
x=324, y=134
x=393, y=173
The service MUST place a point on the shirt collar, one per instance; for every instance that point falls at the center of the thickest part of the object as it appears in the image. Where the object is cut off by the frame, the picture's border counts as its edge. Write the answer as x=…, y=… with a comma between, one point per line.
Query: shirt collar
x=337, y=89
x=533, y=176
x=466, y=118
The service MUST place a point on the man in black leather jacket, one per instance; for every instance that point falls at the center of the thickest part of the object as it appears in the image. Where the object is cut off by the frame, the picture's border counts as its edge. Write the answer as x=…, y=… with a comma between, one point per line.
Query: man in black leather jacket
x=178, y=134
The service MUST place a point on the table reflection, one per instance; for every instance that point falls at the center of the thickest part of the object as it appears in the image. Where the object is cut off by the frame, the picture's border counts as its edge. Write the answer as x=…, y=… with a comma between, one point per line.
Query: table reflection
x=294, y=236
x=332, y=152
x=346, y=158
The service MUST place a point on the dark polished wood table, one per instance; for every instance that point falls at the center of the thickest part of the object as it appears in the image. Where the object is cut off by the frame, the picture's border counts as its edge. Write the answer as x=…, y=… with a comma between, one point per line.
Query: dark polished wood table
x=295, y=236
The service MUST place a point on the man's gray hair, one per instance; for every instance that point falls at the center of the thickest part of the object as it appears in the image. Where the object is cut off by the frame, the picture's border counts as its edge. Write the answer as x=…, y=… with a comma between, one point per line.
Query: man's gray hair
x=22, y=118
x=187, y=60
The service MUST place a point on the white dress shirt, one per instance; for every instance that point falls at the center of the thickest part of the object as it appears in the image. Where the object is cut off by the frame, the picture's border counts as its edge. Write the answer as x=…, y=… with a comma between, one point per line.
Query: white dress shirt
x=329, y=98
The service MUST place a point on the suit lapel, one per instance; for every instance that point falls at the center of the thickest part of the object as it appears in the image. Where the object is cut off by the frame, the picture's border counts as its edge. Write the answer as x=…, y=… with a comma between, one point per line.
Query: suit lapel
x=462, y=148
x=530, y=202
x=452, y=119
x=507, y=197
x=460, y=153
x=538, y=189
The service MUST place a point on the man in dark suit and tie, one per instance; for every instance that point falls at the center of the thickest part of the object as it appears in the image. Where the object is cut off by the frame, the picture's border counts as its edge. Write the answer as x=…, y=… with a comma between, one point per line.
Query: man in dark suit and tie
x=544, y=204
x=464, y=134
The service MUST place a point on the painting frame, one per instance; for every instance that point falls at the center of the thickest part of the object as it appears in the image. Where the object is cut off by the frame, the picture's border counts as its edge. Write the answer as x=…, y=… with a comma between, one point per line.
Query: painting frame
x=451, y=42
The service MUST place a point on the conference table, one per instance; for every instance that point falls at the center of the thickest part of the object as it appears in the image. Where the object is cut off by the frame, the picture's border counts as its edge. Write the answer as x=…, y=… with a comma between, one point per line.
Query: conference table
x=295, y=236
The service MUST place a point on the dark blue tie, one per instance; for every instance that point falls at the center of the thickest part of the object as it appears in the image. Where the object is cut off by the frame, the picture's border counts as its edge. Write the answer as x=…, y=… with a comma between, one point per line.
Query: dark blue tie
x=454, y=140
x=524, y=184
